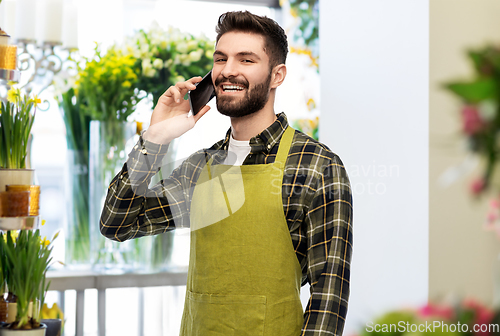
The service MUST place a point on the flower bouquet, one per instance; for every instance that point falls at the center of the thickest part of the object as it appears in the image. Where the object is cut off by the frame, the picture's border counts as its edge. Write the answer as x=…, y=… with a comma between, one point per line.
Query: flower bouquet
x=165, y=57
x=480, y=116
x=480, y=112
x=106, y=93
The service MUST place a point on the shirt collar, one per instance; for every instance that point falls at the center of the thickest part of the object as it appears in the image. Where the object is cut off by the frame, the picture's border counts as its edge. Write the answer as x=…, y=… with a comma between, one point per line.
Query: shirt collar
x=265, y=140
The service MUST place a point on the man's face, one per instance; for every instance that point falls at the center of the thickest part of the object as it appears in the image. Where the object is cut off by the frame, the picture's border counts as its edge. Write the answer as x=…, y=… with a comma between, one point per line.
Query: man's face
x=241, y=74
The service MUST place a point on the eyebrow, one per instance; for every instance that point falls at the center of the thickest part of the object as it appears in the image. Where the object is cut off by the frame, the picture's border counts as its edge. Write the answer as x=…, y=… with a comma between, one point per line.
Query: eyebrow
x=241, y=53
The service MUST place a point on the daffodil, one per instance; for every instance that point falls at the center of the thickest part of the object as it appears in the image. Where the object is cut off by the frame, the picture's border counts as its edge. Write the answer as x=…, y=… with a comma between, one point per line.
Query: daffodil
x=53, y=312
x=36, y=101
x=13, y=95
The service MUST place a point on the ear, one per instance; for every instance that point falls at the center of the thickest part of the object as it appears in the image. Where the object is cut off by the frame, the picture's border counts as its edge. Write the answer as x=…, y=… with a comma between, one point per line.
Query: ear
x=278, y=75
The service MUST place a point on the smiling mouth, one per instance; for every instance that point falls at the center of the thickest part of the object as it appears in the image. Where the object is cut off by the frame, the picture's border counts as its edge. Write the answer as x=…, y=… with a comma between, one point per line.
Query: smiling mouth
x=232, y=88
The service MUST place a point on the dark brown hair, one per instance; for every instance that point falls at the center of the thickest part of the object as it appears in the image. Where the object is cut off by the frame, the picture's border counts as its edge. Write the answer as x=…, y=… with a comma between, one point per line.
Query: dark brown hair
x=276, y=45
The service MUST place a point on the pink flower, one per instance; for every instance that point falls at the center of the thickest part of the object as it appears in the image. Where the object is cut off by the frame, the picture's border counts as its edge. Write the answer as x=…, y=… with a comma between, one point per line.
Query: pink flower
x=477, y=186
x=483, y=315
x=434, y=310
x=493, y=215
x=472, y=122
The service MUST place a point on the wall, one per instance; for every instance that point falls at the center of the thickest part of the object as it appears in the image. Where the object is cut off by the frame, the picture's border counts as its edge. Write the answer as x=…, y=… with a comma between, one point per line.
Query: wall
x=462, y=254
x=374, y=88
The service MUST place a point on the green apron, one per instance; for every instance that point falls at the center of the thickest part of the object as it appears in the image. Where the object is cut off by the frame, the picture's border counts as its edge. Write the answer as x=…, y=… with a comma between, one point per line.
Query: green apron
x=244, y=277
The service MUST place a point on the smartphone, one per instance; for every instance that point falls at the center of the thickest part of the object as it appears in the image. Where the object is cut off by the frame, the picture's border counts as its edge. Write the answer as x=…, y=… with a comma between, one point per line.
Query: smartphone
x=203, y=93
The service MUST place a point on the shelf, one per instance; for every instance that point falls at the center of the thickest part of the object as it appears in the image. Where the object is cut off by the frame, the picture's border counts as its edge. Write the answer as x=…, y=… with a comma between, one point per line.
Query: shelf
x=19, y=223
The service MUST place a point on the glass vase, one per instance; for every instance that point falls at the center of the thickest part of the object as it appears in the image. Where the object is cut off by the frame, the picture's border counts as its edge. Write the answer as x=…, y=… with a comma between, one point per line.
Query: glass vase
x=110, y=143
x=162, y=244
x=77, y=226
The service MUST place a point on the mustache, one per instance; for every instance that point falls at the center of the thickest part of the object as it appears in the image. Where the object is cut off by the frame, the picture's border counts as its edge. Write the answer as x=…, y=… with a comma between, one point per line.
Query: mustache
x=231, y=80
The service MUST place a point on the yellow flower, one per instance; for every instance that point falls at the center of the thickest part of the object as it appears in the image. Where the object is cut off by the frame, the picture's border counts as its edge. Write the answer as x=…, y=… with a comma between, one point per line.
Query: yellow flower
x=51, y=313
x=35, y=100
x=13, y=95
x=311, y=104
x=139, y=126
x=126, y=84
x=13, y=234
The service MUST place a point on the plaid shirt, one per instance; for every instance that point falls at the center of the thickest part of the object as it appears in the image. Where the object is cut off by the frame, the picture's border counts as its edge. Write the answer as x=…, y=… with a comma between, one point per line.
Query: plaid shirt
x=316, y=201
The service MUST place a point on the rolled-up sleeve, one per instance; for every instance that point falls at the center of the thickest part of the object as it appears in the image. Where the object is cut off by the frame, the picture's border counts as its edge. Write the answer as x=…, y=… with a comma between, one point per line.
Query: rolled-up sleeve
x=131, y=208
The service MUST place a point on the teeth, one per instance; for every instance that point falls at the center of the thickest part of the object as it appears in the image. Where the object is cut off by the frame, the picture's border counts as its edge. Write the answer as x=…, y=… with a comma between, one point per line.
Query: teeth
x=232, y=88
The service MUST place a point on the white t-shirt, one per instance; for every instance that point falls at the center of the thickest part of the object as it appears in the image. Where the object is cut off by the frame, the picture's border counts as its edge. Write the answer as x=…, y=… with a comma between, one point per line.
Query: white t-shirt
x=238, y=149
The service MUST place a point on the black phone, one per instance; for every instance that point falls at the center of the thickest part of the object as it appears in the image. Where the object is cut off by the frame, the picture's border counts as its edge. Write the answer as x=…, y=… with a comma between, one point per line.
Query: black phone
x=203, y=93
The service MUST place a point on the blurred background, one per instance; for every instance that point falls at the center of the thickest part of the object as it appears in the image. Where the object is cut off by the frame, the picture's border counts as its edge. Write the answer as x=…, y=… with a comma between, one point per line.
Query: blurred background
x=405, y=92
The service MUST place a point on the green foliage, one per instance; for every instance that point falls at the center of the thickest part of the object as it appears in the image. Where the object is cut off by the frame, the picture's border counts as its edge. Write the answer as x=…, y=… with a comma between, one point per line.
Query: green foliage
x=308, y=12
x=77, y=124
x=16, y=120
x=25, y=261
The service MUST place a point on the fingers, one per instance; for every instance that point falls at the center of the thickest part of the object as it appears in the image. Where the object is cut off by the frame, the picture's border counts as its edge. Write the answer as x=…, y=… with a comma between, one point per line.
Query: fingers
x=179, y=90
x=200, y=114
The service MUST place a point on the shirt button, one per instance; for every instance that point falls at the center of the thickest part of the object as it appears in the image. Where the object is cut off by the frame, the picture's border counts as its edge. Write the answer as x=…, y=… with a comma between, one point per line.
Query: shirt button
x=144, y=151
x=269, y=146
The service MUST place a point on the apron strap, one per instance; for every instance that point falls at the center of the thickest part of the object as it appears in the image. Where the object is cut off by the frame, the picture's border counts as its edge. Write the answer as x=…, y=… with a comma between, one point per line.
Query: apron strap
x=284, y=145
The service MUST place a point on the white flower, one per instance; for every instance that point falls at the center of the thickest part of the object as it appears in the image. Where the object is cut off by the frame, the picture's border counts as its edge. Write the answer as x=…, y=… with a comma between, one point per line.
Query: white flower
x=155, y=41
x=158, y=63
x=195, y=56
x=168, y=63
x=146, y=63
x=144, y=48
x=184, y=59
x=209, y=53
x=487, y=110
x=182, y=47
x=142, y=40
x=177, y=59
x=137, y=53
x=149, y=72
x=192, y=45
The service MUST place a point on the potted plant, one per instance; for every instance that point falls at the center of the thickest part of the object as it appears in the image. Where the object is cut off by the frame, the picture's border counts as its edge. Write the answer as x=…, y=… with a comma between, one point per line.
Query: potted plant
x=25, y=258
x=16, y=120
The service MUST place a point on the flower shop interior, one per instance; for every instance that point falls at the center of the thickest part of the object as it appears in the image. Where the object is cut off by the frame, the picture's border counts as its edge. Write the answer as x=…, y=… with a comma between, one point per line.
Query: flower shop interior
x=403, y=91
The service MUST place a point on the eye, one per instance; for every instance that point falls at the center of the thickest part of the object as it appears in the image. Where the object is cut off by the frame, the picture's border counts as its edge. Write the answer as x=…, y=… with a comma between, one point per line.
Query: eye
x=247, y=61
x=218, y=60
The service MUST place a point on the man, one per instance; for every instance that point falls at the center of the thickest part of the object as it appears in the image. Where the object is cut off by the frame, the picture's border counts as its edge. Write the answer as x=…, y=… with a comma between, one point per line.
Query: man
x=269, y=208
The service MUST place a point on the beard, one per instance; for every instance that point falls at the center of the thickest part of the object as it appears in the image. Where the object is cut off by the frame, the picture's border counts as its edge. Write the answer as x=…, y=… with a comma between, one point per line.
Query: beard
x=254, y=100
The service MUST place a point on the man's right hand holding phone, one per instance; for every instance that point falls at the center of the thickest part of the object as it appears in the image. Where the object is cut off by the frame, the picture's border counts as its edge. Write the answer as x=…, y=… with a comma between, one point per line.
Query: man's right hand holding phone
x=171, y=118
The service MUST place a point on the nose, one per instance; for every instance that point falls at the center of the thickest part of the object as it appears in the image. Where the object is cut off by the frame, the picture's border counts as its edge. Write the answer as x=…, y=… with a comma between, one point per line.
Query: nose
x=230, y=69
